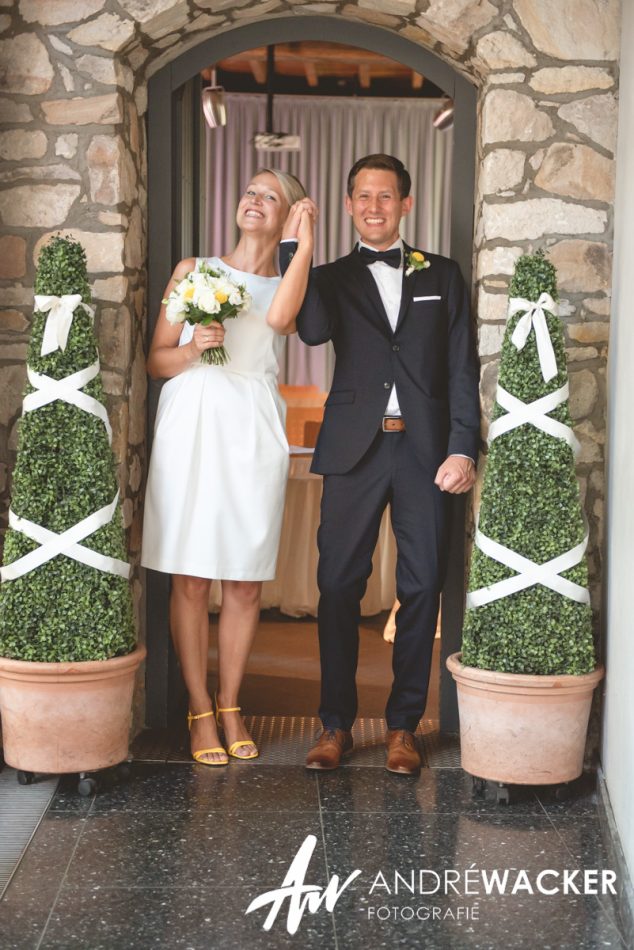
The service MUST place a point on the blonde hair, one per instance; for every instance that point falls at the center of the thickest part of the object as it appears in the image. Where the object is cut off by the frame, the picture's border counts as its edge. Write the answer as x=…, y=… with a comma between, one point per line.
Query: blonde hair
x=291, y=186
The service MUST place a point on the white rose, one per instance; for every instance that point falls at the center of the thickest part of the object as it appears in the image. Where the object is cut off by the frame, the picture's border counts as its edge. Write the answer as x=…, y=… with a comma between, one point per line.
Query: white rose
x=176, y=311
x=198, y=279
x=182, y=287
x=205, y=299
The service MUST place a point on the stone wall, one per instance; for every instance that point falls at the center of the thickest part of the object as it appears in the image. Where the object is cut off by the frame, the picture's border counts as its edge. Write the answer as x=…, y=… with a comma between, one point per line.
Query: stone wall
x=73, y=98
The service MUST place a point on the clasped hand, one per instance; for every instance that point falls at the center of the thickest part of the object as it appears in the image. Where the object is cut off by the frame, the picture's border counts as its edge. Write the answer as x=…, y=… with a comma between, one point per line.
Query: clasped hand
x=300, y=223
x=456, y=475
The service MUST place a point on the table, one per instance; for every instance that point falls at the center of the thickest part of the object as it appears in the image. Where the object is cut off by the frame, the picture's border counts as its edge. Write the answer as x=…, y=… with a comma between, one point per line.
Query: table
x=294, y=590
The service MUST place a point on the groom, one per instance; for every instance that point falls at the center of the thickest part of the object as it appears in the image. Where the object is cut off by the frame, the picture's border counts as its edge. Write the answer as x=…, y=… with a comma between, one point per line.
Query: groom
x=401, y=428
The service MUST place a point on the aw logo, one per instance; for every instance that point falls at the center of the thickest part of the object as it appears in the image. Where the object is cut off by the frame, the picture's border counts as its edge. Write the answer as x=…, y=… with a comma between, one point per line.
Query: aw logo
x=301, y=897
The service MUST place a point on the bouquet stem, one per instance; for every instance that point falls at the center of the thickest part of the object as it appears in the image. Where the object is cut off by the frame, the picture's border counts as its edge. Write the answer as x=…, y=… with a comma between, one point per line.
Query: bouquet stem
x=216, y=356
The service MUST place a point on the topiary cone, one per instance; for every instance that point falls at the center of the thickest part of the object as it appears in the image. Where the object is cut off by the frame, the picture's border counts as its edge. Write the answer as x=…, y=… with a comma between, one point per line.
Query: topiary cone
x=65, y=470
x=530, y=504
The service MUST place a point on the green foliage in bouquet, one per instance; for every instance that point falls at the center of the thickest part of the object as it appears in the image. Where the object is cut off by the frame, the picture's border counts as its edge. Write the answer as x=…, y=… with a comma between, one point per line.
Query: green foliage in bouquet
x=65, y=470
x=530, y=504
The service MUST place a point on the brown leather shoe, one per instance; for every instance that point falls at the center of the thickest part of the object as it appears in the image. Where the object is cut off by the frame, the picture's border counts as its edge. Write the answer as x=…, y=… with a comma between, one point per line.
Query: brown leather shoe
x=402, y=755
x=331, y=746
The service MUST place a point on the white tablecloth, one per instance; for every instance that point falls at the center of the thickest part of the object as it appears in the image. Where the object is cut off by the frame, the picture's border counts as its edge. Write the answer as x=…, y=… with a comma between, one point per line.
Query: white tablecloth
x=294, y=590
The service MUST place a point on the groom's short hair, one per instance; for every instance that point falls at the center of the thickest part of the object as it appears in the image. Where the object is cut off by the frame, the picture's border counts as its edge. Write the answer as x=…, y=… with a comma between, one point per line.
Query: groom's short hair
x=388, y=163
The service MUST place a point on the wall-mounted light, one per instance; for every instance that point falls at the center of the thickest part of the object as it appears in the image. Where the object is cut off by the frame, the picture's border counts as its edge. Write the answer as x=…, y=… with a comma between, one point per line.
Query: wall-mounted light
x=443, y=119
x=214, y=104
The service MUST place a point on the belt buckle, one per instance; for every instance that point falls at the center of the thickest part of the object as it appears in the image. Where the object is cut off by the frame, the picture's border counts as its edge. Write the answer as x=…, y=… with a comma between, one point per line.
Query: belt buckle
x=383, y=426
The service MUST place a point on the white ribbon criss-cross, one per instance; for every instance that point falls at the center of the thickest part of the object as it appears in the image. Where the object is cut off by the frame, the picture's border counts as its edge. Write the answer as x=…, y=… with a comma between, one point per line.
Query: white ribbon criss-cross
x=529, y=573
x=534, y=413
x=68, y=390
x=60, y=317
x=535, y=318
x=67, y=543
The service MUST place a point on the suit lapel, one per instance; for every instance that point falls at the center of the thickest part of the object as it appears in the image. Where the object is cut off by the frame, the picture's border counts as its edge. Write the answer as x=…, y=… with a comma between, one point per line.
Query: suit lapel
x=407, y=290
x=369, y=289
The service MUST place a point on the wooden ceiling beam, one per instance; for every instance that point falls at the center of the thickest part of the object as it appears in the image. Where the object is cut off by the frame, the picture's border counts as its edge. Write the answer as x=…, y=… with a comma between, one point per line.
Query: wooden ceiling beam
x=258, y=68
x=364, y=75
x=312, y=77
x=417, y=80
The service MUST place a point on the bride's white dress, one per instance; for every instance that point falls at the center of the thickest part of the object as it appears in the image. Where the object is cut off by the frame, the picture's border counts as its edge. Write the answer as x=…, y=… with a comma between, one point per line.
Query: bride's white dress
x=216, y=485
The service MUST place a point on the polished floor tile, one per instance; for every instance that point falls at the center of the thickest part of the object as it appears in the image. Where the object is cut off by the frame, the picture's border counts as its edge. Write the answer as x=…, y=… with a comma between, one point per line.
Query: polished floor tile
x=194, y=848
x=434, y=791
x=405, y=841
x=501, y=923
x=240, y=786
x=174, y=857
x=104, y=918
x=34, y=887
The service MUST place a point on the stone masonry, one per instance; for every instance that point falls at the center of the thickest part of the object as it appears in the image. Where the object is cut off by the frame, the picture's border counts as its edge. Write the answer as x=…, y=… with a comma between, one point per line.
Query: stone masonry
x=73, y=98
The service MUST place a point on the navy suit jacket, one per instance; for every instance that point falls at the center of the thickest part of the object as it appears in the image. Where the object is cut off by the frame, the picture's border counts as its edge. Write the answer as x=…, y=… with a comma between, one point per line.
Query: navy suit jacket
x=431, y=356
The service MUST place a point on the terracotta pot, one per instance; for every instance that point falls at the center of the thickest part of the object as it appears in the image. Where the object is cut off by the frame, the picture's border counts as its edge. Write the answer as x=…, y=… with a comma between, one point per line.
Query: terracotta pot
x=520, y=729
x=67, y=717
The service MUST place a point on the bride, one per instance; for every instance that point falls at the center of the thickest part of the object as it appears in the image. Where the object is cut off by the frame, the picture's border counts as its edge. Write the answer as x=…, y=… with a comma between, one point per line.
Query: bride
x=217, y=477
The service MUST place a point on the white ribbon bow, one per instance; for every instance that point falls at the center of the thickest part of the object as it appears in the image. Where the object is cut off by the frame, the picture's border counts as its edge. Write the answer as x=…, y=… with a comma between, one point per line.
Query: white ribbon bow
x=534, y=317
x=60, y=316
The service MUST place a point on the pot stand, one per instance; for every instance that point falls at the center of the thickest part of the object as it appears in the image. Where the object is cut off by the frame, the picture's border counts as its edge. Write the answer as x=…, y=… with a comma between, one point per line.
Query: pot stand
x=88, y=783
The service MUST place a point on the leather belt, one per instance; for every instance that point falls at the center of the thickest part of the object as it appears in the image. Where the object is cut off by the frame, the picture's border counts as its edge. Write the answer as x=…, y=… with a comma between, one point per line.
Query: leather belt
x=393, y=424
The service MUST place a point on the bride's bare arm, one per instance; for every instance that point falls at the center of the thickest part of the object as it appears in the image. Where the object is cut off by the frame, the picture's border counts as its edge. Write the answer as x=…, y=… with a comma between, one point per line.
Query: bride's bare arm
x=290, y=294
x=166, y=358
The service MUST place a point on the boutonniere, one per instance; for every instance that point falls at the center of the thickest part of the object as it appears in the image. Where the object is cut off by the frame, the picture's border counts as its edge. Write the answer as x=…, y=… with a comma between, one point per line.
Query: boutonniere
x=416, y=261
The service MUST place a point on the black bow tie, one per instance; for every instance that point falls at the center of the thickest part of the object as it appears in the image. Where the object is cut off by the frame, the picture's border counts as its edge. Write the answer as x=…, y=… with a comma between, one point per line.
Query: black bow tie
x=392, y=257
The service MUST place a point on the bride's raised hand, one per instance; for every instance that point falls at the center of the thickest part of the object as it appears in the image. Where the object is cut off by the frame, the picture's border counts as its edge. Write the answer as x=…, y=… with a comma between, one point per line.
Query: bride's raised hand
x=205, y=338
x=305, y=232
x=291, y=226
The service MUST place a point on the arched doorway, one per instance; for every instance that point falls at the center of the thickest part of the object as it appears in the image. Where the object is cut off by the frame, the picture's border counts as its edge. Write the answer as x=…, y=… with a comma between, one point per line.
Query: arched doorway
x=164, y=242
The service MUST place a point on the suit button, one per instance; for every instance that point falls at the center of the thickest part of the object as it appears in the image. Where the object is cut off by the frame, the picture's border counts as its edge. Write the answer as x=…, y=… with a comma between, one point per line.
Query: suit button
x=396, y=347
x=387, y=385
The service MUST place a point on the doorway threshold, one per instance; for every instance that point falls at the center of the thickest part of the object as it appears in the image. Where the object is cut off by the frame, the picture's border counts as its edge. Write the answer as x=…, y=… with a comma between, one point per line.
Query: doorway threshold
x=285, y=740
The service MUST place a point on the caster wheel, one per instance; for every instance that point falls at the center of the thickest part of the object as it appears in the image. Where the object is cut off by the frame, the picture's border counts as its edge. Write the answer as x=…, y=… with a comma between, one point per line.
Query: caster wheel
x=86, y=786
x=562, y=792
x=124, y=771
x=502, y=796
x=478, y=787
x=25, y=778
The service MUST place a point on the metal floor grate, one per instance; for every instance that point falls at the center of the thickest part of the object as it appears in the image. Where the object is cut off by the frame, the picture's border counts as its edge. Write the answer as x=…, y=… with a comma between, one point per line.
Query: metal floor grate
x=285, y=740
x=21, y=810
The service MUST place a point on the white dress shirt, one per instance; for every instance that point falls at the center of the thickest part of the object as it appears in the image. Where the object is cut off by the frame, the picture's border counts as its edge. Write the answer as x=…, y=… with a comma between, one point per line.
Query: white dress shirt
x=389, y=281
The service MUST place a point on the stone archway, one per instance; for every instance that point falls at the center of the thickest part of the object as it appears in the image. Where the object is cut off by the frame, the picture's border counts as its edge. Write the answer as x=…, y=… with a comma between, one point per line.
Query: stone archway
x=164, y=104
x=73, y=97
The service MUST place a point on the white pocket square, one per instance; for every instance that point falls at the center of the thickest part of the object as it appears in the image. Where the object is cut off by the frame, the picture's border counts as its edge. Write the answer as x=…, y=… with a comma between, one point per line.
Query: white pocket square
x=433, y=297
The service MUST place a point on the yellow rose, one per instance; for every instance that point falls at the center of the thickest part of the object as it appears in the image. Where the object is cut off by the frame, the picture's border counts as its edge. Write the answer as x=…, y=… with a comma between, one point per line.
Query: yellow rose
x=221, y=297
x=417, y=256
x=188, y=293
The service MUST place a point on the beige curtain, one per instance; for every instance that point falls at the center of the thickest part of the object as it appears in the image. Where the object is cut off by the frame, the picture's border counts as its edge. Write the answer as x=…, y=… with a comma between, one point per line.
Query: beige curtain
x=334, y=133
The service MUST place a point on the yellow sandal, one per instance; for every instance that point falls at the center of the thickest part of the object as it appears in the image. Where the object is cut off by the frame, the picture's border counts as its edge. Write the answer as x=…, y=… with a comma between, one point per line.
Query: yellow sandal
x=240, y=743
x=198, y=755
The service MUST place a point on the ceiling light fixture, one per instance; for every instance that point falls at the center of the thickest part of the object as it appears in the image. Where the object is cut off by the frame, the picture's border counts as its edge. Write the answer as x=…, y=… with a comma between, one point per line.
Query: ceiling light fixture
x=443, y=119
x=214, y=104
x=271, y=141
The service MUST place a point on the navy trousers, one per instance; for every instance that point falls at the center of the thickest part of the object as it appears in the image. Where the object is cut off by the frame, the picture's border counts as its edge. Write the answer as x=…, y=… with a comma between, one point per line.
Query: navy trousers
x=351, y=510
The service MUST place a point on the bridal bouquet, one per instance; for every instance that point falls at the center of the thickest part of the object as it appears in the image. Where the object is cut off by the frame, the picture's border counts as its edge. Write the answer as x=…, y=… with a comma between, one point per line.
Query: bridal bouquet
x=206, y=295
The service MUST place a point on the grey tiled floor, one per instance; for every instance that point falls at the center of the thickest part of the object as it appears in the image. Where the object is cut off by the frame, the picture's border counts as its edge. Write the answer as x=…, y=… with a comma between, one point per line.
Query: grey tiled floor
x=174, y=857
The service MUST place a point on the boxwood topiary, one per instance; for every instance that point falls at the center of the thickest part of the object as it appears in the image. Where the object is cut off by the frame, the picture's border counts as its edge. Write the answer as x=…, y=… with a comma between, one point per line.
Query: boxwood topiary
x=530, y=503
x=65, y=470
